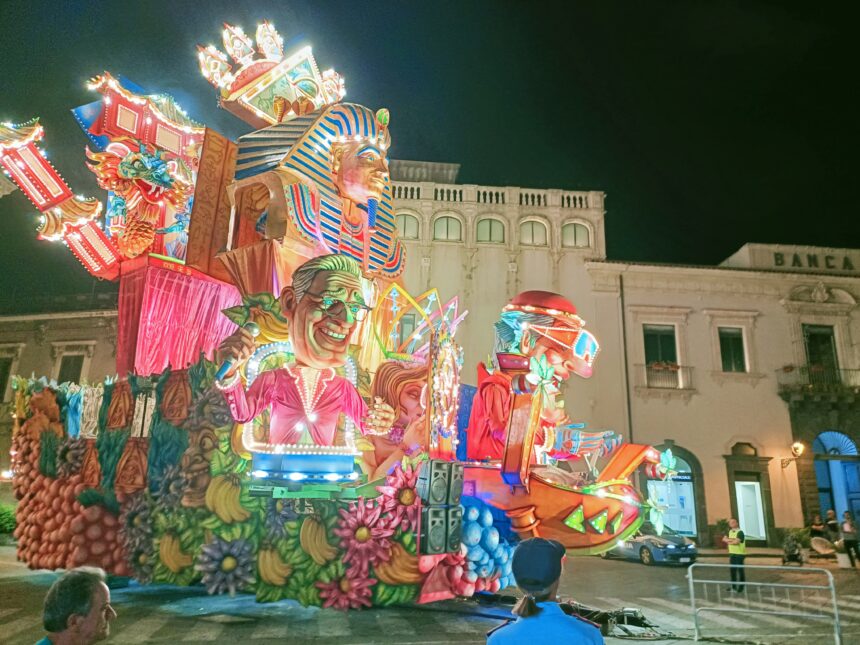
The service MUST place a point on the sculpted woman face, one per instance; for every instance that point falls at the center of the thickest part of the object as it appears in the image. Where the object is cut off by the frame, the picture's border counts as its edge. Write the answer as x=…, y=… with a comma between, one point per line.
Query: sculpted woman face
x=401, y=385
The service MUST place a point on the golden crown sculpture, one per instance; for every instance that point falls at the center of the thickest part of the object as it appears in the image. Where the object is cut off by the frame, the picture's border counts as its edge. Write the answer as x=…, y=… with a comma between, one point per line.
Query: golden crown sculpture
x=260, y=84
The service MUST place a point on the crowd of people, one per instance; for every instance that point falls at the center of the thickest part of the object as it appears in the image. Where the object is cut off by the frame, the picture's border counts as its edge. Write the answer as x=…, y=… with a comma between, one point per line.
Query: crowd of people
x=835, y=531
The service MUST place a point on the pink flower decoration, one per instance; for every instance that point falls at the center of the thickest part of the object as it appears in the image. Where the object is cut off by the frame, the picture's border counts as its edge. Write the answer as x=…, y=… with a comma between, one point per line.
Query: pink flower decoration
x=399, y=499
x=350, y=591
x=364, y=537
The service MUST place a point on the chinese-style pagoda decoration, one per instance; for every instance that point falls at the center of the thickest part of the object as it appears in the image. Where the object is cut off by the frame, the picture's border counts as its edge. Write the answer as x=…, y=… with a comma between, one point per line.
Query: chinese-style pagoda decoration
x=64, y=216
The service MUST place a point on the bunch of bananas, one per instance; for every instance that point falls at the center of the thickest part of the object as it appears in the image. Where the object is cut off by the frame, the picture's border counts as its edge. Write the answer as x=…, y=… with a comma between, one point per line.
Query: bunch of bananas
x=272, y=569
x=172, y=555
x=401, y=568
x=223, y=499
x=314, y=541
x=384, y=594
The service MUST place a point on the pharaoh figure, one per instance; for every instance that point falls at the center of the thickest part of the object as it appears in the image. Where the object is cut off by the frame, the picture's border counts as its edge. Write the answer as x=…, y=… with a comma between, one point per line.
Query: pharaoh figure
x=320, y=182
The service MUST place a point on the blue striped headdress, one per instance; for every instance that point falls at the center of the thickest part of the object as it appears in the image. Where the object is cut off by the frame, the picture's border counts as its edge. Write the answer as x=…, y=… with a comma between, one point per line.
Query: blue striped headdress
x=301, y=149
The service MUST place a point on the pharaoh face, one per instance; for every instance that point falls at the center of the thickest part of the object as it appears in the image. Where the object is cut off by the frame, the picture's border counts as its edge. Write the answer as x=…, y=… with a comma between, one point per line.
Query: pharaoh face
x=323, y=320
x=360, y=169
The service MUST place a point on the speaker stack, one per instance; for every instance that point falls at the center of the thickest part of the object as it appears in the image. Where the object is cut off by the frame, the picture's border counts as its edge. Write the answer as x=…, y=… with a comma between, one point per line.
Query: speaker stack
x=440, y=487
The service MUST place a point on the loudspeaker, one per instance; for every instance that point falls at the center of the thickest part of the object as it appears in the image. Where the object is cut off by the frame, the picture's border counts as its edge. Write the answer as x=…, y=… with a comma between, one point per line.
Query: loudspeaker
x=455, y=484
x=454, y=526
x=433, y=480
x=433, y=533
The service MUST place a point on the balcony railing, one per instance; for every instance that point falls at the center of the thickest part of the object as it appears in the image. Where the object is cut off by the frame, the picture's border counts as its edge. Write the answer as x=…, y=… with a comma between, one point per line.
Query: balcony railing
x=665, y=376
x=817, y=379
x=496, y=195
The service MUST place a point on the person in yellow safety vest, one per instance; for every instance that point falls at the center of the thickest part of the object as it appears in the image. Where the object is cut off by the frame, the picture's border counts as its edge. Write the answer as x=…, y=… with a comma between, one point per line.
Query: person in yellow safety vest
x=736, y=541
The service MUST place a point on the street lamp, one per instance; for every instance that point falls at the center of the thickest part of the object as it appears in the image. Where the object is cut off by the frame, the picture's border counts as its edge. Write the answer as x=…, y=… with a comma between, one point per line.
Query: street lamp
x=797, y=449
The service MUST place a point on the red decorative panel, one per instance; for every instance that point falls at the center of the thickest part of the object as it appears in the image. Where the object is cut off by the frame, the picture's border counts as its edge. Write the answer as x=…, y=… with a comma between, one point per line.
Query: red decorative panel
x=94, y=250
x=35, y=176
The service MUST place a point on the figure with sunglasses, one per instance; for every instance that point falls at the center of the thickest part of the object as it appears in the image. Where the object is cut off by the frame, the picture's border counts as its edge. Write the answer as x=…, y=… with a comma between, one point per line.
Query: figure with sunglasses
x=536, y=325
x=322, y=306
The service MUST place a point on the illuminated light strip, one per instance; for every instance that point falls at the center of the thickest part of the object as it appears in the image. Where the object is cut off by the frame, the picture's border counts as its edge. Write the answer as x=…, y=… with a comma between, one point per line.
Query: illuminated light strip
x=286, y=347
x=73, y=240
x=107, y=254
x=253, y=445
x=24, y=180
x=99, y=83
x=35, y=135
x=37, y=168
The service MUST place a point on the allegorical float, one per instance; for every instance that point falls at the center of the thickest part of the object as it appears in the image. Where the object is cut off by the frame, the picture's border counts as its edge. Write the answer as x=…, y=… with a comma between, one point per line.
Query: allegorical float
x=278, y=428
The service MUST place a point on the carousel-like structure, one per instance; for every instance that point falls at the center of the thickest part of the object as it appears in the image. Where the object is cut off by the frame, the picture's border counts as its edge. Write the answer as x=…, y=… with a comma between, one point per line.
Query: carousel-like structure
x=278, y=429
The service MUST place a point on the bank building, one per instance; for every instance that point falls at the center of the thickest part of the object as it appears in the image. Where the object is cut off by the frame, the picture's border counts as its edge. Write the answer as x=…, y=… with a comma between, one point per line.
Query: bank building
x=749, y=370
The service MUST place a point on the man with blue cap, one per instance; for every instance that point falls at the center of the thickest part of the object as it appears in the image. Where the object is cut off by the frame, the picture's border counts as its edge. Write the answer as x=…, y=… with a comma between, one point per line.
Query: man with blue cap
x=536, y=566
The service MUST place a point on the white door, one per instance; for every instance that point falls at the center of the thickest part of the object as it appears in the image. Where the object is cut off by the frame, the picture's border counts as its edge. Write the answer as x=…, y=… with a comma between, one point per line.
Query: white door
x=677, y=497
x=750, y=510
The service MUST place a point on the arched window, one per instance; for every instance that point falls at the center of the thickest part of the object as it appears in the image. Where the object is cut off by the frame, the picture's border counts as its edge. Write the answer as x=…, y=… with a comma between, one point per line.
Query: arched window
x=533, y=233
x=491, y=231
x=447, y=228
x=833, y=443
x=407, y=226
x=575, y=235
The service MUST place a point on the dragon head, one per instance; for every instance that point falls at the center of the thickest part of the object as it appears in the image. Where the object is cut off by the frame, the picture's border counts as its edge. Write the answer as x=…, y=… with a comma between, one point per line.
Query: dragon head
x=152, y=169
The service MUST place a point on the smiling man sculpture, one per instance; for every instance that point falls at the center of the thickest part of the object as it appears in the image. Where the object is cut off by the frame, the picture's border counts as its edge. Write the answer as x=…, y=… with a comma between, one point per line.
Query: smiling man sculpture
x=323, y=306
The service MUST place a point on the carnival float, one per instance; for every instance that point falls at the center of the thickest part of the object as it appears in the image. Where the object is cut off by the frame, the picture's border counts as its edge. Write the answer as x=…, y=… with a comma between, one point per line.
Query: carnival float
x=277, y=429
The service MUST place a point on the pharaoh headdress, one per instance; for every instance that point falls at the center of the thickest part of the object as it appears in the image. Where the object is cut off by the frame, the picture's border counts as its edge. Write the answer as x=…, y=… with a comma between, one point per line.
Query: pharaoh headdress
x=301, y=150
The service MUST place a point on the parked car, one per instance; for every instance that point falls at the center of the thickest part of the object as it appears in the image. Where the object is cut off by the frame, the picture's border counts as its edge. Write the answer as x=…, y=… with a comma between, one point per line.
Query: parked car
x=650, y=548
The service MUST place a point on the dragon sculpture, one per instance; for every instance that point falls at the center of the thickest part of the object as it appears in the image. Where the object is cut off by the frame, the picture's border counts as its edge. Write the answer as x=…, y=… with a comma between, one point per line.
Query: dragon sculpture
x=148, y=183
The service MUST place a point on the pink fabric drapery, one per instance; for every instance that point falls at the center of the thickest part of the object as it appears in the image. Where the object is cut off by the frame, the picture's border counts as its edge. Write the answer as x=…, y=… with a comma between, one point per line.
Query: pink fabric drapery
x=266, y=266
x=168, y=315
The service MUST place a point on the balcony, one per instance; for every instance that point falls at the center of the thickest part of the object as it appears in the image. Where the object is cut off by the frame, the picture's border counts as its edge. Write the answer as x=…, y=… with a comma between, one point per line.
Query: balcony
x=795, y=382
x=664, y=380
x=496, y=195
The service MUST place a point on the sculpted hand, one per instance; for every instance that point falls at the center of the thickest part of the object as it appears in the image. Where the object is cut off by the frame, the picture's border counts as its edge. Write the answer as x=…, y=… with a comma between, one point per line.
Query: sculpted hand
x=380, y=418
x=239, y=346
x=414, y=434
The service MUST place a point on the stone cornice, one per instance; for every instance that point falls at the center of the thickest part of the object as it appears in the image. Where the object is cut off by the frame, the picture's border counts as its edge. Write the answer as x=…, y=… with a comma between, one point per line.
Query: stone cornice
x=748, y=378
x=693, y=279
x=665, y=394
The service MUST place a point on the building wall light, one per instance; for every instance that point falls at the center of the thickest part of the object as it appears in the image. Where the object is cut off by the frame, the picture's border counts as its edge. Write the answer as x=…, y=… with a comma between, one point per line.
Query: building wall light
x=797, y=449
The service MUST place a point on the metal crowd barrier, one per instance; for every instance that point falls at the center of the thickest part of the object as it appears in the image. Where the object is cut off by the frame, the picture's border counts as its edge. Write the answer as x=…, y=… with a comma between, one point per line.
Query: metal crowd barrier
x=815, y=601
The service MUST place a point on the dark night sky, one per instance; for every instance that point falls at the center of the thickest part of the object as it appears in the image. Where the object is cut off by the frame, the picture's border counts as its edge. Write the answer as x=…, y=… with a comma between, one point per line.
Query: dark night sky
x=707, y=124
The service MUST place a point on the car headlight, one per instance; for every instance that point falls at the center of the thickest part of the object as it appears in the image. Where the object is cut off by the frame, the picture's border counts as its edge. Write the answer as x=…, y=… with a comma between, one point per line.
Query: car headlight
x=671, y=546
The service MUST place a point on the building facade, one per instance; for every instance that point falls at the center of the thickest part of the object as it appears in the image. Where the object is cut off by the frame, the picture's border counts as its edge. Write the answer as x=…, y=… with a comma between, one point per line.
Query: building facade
x=71, y=345
x=726, y=365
